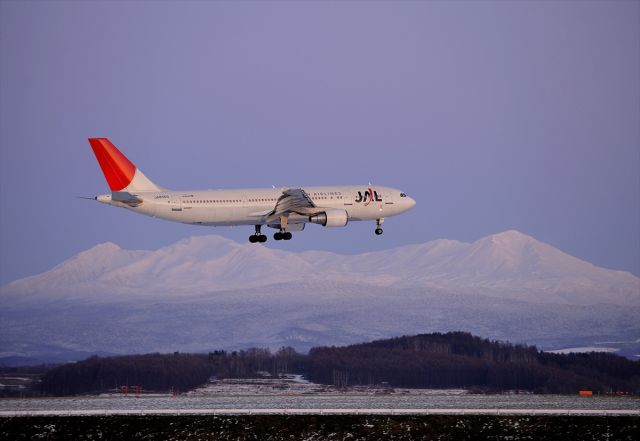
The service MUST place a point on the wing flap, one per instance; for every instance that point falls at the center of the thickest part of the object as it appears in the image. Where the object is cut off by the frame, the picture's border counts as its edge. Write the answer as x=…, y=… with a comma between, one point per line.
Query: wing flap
x=260, y=213
x=293, y=200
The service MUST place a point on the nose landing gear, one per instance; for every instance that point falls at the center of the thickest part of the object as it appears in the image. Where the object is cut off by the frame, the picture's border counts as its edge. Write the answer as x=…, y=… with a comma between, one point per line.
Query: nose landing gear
x=257, y=236
x=379, y=230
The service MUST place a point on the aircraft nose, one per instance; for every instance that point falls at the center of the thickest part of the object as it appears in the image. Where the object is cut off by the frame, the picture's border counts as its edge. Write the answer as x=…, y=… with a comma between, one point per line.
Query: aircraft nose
x=410, y=202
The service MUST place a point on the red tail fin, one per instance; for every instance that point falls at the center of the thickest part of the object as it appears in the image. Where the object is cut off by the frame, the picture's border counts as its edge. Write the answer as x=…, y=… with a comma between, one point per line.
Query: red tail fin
x=117, y=169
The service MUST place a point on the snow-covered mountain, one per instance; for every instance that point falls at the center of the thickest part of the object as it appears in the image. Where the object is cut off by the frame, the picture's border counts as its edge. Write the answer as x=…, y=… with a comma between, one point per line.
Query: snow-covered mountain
x=507, y=265
x=208, y=292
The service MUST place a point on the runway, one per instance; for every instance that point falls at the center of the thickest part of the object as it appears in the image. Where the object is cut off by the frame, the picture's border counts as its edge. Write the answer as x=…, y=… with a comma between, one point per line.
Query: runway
x=259, y=411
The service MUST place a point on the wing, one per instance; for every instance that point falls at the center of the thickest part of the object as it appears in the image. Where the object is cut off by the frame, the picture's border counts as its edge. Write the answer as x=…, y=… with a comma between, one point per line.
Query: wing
x=293, y=200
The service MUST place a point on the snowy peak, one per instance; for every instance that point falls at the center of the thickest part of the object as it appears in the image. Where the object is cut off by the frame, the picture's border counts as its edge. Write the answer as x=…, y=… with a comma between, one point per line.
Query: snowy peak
x=523, y=268
x=512, y=254
x=508, y=254
x=103, y=247
x=510, y=236
x=84, y=268
x=102, y=251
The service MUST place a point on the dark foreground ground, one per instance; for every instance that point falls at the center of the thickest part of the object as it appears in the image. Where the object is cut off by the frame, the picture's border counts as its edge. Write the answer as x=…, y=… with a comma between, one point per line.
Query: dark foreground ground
x=327, y=427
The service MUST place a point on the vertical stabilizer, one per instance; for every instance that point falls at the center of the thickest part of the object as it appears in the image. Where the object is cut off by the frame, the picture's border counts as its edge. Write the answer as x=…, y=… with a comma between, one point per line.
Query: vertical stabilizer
x=120, y=173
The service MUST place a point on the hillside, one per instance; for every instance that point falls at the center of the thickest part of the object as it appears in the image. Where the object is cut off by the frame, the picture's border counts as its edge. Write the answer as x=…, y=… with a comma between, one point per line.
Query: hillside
x=506, y=286
x=451, y=360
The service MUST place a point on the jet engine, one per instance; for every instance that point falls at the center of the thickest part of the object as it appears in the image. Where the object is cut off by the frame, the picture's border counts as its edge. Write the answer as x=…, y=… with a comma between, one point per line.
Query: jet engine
x=331, y=217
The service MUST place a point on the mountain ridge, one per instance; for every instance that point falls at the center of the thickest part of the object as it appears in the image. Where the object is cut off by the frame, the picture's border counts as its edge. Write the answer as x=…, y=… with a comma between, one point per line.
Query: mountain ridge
x=508, y=264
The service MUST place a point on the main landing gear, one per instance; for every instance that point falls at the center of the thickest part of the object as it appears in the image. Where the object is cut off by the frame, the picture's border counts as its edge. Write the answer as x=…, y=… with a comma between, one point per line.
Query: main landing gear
x=282, y=235
x=379, y=227
x=257, y=236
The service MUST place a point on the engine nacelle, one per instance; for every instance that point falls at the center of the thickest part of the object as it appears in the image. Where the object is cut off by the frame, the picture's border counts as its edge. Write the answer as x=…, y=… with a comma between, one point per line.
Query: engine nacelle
x=331, y=217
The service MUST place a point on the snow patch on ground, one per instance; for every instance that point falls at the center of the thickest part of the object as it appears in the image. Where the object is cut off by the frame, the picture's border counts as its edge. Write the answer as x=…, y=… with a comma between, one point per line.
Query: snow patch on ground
x=584, y=349
x=297, y=385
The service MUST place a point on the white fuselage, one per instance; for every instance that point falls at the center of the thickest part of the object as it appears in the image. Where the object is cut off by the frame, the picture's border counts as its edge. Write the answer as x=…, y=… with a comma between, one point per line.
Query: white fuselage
x=251, y=206
x=287, y=209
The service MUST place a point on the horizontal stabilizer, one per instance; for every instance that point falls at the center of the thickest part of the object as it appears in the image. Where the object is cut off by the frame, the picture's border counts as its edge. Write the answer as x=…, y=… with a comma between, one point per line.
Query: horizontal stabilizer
x=126, y=198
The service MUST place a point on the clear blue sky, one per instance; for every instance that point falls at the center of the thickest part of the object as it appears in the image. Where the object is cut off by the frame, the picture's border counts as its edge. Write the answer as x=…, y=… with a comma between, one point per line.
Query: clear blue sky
x=493, y=115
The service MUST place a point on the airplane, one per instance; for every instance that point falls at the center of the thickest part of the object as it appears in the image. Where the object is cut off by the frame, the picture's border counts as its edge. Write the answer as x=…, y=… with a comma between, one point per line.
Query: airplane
x=285, y=209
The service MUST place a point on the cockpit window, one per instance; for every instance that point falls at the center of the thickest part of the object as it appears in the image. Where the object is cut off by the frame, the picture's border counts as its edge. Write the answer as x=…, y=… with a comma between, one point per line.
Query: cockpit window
x=403, y=195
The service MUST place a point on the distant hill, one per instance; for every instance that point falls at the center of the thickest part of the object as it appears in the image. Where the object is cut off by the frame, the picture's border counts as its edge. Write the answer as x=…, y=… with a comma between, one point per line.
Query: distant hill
x=451, y=360
x=210, y=292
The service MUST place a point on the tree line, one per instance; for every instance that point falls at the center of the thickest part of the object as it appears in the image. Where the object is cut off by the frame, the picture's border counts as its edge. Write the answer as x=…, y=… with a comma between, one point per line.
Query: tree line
x=164, y=372
x=461, y=360
x=437, y=360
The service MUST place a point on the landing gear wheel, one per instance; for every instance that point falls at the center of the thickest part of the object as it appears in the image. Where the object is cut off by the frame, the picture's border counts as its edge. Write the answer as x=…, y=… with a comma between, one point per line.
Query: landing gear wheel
x=378, y=231
x=277, y=236
x=257, y=236
x=287, y=236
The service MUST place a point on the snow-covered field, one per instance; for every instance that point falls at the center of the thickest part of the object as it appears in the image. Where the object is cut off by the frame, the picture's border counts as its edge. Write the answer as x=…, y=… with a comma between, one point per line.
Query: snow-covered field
x=289, y=385
x=294, y=394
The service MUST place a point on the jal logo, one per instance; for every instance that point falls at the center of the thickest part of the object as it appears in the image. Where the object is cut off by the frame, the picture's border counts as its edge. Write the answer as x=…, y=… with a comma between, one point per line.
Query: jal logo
x=368, y=196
